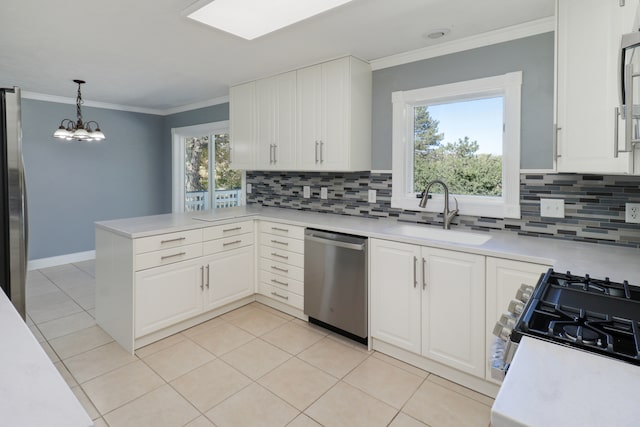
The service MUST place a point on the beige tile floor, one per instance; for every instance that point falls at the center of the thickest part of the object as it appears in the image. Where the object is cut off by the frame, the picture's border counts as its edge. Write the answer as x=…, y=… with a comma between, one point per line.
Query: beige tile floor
x=254, y=366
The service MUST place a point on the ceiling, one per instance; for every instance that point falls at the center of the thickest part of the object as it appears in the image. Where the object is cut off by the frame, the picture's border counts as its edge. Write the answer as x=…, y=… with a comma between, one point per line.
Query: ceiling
x=146, y=54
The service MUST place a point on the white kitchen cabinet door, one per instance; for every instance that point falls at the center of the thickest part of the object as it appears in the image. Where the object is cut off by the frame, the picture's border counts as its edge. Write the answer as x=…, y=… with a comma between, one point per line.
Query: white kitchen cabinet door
x=588, y=40
x=166, y=295
x=228, y=277
x=395, y=293
x=276, y=121
x=334, y=116
x=453, y=318
x=309, y=120
x=504, y=278
x=242, y=119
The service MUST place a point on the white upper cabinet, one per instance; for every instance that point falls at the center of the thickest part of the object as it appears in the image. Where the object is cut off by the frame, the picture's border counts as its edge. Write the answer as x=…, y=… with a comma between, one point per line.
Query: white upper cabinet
x=334, y=116
x=276, y=121
x=316, y=118
x=588, y=41
x=242, y=118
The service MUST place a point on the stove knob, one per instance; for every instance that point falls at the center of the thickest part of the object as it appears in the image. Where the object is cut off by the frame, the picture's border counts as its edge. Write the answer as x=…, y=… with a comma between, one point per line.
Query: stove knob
x=502, y=331
x=524, y=293
x=504, y=326
x=516, y=307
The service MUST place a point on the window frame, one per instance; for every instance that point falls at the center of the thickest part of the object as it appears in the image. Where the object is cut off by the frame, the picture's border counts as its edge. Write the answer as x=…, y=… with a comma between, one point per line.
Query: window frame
x=179, y=136
x=506, y=85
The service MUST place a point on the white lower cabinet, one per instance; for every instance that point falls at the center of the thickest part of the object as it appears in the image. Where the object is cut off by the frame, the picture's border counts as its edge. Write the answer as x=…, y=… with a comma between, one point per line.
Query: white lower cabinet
x=170, y=294
x=281, y=263
x=429, y=301
x=167, y=295
x=229, y=276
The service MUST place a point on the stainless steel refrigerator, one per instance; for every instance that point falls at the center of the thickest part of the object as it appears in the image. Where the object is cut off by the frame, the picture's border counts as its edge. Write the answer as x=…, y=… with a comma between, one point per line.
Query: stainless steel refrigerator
x=13, y=208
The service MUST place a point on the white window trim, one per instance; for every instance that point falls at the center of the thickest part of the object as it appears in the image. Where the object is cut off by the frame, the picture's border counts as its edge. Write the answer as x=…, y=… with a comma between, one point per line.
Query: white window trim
x=178, y=137
x=506, y=85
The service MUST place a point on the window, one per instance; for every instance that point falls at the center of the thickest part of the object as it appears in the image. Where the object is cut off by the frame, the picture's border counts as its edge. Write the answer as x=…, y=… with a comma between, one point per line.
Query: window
x=202, y=178
x=466, y=134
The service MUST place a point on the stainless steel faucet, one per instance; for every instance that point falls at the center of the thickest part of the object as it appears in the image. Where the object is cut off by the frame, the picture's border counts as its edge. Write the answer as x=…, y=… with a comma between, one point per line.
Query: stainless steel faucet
x=447, y=215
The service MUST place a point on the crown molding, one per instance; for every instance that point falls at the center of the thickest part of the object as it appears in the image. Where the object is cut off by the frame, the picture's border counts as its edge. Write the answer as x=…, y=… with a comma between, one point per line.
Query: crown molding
x=514, y=32
x=86, y=103
x=202, y=104
x=65, y=100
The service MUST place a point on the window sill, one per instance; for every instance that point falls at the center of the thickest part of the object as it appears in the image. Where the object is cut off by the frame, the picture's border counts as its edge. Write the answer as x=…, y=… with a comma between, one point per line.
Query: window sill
x=467, y=205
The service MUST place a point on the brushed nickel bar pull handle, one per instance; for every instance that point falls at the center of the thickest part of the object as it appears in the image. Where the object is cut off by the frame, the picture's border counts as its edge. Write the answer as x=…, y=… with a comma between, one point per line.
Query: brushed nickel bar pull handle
x=202, y=278
x=162, y=242
x=279, y=256
x=285, y=230
x=279, y=282
x=162, y=258
x=321, y=145
x=275, y=152
x=279, y=296
x=207, y=276
x=232, y=243
x=415, y=274
x=231, y=229
x=556, y=129
x=279, y=242
x=279, y=269
x=424, y=273
x=628, y=110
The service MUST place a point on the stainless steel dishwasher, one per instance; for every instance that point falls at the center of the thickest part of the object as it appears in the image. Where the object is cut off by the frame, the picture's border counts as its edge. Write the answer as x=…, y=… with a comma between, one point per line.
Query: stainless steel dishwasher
x=335, y=282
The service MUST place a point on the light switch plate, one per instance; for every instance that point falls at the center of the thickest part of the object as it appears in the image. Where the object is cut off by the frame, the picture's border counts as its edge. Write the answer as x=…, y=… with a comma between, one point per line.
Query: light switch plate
x=306, y=191
x=372, y=196
x=323, y=193
x=249, y=188
x=632, y=213
x=552, y=208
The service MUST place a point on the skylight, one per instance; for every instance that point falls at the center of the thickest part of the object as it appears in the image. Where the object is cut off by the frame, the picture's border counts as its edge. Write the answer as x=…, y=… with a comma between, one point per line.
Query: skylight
x=251, y=19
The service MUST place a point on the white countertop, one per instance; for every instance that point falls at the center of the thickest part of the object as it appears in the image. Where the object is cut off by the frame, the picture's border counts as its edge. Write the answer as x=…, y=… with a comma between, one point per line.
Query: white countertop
x=552, y=385
x=32, y=392
x=599, y=261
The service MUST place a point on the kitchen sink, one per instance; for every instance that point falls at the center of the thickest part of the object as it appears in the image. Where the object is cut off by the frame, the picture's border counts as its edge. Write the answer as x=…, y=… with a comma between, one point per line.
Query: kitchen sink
x=452, y=236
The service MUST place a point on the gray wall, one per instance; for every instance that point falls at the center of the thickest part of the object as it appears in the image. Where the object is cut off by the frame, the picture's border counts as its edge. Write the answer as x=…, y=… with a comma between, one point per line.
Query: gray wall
x=70, y=184
x=532, y=55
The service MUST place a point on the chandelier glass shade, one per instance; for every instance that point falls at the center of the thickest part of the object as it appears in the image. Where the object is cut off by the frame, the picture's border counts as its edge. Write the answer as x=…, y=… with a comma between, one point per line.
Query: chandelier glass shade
x=79, y=130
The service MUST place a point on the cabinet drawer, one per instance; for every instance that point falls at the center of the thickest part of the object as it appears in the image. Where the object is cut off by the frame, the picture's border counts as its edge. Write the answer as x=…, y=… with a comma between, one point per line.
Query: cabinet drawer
x=287, y=257
x=227, y=244
x=281, y=295
x=281, y=282
x=227, y=230
x=281, y=242
x=282, y=269
x=167, y=256
x=292, y=231
x=169, y=240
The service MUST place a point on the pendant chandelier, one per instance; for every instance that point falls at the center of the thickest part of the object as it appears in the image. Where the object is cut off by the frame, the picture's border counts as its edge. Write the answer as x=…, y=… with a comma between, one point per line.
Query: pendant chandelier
x=79, y=130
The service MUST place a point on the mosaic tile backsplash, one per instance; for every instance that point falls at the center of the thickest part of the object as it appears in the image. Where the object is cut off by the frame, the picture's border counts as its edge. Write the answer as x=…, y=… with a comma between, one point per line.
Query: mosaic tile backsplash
x=594, y=204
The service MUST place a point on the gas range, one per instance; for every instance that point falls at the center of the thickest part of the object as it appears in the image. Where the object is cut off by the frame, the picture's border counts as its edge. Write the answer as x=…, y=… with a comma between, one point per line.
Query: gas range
x=594, y=315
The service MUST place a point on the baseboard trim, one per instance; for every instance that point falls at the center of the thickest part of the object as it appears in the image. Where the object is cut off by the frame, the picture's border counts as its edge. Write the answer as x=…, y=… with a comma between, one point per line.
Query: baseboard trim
x=60, y=260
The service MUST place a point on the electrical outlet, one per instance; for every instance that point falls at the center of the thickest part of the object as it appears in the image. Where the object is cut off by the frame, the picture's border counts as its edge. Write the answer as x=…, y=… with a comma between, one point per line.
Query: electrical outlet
x=306, y=192
x=632, y=213
x=249, y=188
x=372, y=196
x=552, y=208
x=323, y=193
